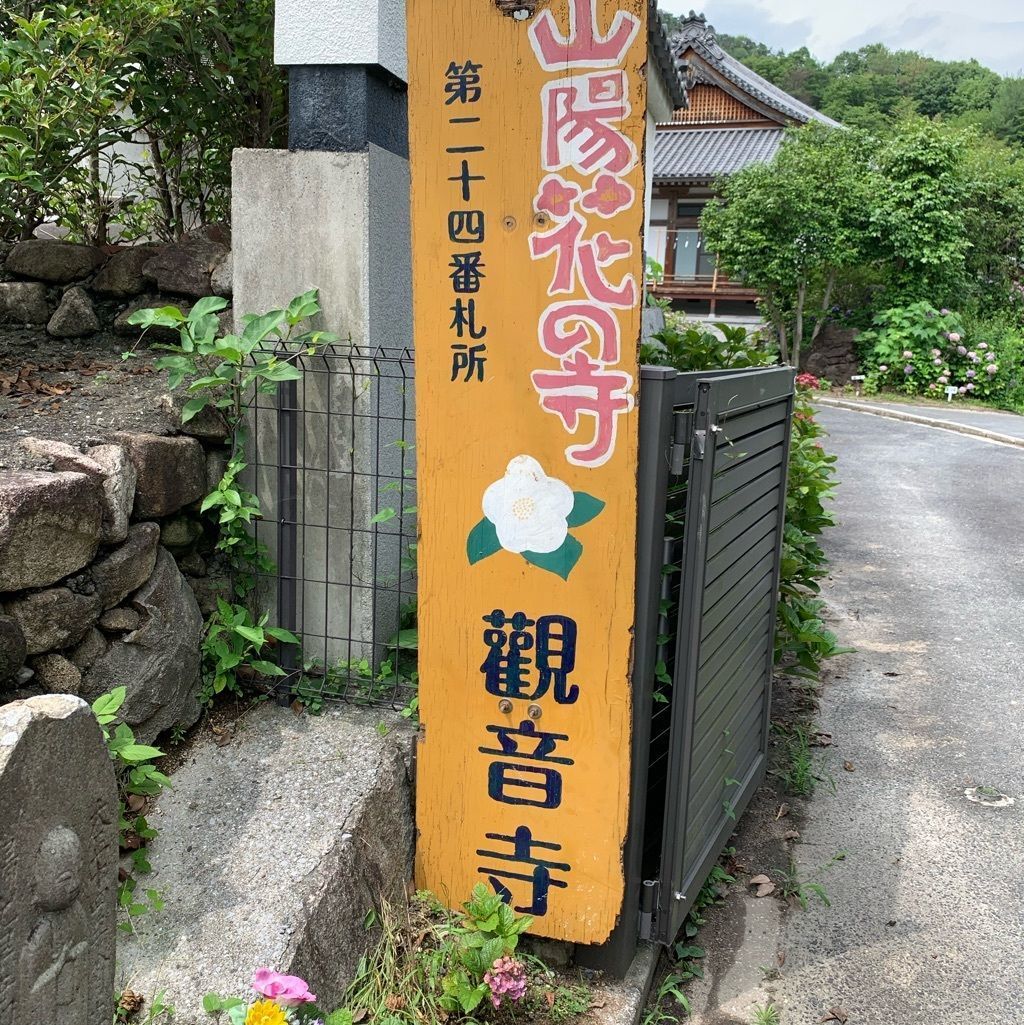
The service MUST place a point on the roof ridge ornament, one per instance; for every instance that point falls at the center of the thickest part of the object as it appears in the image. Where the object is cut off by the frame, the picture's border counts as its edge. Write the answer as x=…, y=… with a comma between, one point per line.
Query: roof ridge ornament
x=695, y=31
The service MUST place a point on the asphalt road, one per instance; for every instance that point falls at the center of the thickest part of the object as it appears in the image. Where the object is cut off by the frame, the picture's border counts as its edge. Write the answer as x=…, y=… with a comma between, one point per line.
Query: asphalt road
x=927, y=918
x=988, y=419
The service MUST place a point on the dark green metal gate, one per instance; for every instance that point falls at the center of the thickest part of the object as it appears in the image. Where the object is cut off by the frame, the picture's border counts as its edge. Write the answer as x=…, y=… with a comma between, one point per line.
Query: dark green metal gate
x=714, y=455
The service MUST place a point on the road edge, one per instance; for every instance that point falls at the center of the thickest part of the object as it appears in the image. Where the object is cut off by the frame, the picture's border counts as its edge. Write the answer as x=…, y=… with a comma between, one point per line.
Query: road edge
x=926, y=421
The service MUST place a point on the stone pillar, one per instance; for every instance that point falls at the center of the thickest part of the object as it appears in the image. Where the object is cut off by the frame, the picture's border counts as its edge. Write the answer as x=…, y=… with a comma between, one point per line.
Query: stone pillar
x=332, y=212
x=58, y=865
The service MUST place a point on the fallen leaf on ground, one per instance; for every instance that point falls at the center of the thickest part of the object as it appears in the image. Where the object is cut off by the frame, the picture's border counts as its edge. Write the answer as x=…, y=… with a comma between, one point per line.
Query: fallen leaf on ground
x=550, y=998
x=782, y=812
x=763, y=884
x=821, y=740
x=791, y=834
x=835, y=1014
x=848, y=766
x=781, y=958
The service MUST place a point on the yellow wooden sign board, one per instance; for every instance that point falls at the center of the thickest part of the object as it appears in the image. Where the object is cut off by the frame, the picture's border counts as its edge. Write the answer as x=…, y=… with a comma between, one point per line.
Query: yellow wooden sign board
x=527, y=148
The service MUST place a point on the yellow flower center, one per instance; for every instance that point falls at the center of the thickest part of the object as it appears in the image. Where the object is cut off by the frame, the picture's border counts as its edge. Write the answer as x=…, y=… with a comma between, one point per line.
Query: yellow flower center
x=265, y=1012
x=522, y=508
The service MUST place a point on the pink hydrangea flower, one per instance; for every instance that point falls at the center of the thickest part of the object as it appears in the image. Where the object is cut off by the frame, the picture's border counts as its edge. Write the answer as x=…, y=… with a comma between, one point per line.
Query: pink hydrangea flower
x=962, y=349
x=970, y=387
x=908, y=354
x=882, y=369
x=954, y=336
x=944, y=311
x=991, y=368
x=936, y=352
x=556, y=196
x=972, y=373
x=937, y=362
x=286, y=990
x=608, y=196
x=982, y=345
x=507, y=978
x=943, y=379
x=962, y=390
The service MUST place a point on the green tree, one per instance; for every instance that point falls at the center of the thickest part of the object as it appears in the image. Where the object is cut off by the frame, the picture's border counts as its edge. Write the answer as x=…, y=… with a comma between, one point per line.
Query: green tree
x=790, y=228
x=920, y=192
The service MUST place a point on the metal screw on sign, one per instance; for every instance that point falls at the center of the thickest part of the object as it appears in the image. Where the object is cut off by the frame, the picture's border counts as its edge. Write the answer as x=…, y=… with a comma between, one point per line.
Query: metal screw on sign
x=504, y=706
x=534, y=712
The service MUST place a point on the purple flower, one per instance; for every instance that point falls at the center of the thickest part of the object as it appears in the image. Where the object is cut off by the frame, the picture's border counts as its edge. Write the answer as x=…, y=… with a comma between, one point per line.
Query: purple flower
x=990, y=356
x=507, y=978
x=970, y=387
x=937, y=362
x=962, y=349
x=944, y=311
x=962, y=390
x=953, y=336
x=972, y=373
x=982, y=345
x=908, y=369
x=991, y=368
x=944, y=379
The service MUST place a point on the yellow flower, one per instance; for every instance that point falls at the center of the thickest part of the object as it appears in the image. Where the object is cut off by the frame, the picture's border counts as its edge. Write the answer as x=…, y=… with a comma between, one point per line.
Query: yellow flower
x=265, y=1012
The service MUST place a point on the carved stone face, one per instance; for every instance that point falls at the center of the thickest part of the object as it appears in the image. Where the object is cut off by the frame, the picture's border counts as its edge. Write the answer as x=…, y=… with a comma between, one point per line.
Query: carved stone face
x=58, y=870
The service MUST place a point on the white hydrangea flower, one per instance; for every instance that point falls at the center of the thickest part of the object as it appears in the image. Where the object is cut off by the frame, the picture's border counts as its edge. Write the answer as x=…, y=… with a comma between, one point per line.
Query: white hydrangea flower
x=528, y=508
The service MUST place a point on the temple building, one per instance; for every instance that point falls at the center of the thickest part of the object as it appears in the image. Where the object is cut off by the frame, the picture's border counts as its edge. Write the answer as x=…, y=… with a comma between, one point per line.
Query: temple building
x=733, y=118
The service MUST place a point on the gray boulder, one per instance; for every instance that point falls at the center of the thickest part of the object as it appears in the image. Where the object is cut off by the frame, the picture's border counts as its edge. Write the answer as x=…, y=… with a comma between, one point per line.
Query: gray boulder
x=208, y=424
x=112, y=469
x=159, y=662
x=118, y=490
x=208, y=589
x=53, y=619
x=74, y=317
x=127, y=567
x=221, y=281
x=339, y=822
x=56, y=674
x=23, y=302
x=49, y=526
x=53, y=261
x=88, y=649
x=171, y=472
x=12, y=652
x=184, y=267
x=120, y=620
x=121, y=276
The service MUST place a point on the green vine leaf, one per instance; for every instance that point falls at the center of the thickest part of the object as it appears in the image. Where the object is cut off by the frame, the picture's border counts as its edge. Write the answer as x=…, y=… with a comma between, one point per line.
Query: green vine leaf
x=482, y=541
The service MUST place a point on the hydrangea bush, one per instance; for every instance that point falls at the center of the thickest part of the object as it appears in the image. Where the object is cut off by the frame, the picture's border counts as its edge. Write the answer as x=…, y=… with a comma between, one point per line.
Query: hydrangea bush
x=920, y=350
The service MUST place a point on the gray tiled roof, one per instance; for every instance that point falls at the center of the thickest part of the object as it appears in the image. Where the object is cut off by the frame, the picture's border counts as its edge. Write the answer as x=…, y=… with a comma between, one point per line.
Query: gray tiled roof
x=691, y=155
x=695, y=32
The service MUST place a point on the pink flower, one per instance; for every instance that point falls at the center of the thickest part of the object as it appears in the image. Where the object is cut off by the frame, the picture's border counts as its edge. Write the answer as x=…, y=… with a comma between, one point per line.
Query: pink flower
x=507, y=978
x=883, y=368
x=943, y=379
x=556, y=196
x=954, y=336
x=991, y=368
x=286, y=990
x=970, y=387
x=609, y=195
x=908, y=354
x=982, y=345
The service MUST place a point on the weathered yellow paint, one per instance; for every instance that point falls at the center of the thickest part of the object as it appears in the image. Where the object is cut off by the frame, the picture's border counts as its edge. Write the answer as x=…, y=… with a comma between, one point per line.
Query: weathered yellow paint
x=466, y=434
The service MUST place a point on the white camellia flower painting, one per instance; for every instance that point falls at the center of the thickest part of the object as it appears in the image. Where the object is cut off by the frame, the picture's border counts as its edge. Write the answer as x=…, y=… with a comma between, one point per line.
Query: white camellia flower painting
x=528, y=508
x=530, y=514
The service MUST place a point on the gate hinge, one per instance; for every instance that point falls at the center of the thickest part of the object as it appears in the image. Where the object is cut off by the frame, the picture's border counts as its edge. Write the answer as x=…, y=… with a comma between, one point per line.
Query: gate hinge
x=649, y=892
x=681, y=434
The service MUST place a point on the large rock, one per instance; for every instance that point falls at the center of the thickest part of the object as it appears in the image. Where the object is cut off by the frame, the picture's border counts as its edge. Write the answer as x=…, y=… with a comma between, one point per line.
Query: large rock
x=23, y=302
x=49, y=526
x=209, y=423
x=112, y=469
x=55, y=618
x=159, y=662
x=12, y=652
x=56, y=262
x=122, y=276
x=74, y=317
x=58, y=835
x=338, y=821
x=171, y=472
x=118, y=490
x=127, y=567
x=88, y=649
x=56, y=674
x=221, y=277
x=184, y=267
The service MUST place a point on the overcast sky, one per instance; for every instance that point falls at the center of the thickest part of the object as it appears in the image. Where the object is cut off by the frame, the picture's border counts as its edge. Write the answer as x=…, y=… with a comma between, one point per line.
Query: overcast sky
x=990, y=30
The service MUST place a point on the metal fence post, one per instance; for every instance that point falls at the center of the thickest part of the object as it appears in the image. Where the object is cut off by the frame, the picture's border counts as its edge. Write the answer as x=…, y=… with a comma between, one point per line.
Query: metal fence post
x=287, y=526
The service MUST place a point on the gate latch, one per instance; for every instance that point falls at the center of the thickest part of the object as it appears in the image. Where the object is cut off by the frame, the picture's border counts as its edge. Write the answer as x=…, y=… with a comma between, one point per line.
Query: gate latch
x=699, y=439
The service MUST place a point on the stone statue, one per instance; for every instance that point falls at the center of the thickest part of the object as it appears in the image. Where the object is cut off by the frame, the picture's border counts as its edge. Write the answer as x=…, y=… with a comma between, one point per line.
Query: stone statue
x=58, y=865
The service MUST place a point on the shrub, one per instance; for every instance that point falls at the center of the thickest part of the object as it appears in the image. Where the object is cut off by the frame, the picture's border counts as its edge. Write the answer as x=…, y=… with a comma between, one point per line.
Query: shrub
x=920, y=350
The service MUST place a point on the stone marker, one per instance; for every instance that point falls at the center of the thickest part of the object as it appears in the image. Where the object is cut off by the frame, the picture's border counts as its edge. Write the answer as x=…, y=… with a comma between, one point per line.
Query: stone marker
x=58, y=865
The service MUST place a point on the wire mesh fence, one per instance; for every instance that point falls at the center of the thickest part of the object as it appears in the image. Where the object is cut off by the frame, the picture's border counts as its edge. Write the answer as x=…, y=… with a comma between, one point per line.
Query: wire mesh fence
x=334, y=467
